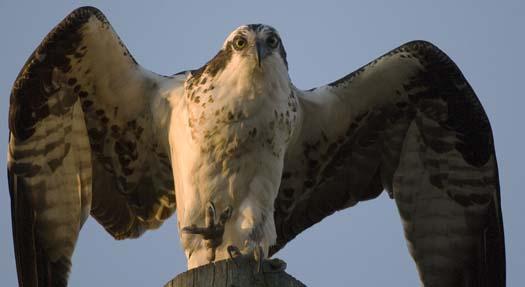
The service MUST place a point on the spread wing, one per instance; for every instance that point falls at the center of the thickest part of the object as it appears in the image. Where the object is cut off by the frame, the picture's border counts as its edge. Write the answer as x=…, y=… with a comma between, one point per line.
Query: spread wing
x=408, y=123
x=84, y=140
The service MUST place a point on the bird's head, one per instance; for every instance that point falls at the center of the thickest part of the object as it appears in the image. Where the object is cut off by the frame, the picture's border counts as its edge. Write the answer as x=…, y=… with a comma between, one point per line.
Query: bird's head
x=253, y=47
x=250, y=52
x=256, y=44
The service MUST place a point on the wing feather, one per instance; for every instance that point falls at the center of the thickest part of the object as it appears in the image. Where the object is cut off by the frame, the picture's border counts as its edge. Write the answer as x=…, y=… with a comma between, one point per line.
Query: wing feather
x=84, y=139
x=410, y=123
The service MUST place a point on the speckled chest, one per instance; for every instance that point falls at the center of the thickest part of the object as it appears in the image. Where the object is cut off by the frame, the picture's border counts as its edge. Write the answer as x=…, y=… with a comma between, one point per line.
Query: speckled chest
x=228, y=121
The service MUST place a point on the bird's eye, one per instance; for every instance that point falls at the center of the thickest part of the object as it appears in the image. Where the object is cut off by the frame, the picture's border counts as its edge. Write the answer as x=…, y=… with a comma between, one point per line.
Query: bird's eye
x=239, y=43
x=272, y=42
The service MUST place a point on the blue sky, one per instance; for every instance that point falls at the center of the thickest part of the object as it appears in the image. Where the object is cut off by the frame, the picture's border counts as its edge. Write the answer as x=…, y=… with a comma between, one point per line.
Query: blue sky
x=362, y=246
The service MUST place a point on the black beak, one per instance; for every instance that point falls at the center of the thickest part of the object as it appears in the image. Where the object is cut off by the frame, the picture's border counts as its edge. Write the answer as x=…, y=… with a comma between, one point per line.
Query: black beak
x=262, y=52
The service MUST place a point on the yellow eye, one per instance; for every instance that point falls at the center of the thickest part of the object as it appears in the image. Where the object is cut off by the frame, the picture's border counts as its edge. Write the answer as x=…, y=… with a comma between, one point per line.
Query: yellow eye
x=239, y=43
x=272, y=42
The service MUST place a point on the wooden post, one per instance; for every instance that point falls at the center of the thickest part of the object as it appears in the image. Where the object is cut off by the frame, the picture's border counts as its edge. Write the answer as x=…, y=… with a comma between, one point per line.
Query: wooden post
x=238, y=272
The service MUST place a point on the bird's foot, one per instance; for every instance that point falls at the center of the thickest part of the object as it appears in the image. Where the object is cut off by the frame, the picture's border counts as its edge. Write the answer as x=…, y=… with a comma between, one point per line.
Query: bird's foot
x=274, y=265
x=213, y=232
x=235, y=253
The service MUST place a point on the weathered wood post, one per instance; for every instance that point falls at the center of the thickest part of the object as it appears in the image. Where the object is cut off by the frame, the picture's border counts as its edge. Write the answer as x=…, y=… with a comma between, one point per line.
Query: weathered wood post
x=238, y=272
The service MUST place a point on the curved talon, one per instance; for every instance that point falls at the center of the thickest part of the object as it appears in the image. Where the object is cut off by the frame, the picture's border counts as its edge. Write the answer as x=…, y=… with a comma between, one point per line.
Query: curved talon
x=234, y=253
x=209, y=219
x=258, y=255
x=225, y=215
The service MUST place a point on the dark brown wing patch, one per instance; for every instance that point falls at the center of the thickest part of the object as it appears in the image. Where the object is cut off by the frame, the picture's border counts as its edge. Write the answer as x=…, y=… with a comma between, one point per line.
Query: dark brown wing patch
x=333, y=167
x=71, y=131
x=29, y=88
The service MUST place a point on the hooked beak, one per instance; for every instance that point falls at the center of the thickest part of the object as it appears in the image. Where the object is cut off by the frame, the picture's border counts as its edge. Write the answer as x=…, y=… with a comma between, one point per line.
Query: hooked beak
x=262, y=52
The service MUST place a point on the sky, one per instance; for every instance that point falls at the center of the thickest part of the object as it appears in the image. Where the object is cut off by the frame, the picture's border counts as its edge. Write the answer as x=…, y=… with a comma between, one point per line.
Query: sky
x=361, y=246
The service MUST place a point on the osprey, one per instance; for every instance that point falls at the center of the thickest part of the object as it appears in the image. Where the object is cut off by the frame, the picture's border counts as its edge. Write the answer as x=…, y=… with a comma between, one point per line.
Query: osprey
x=246, y=159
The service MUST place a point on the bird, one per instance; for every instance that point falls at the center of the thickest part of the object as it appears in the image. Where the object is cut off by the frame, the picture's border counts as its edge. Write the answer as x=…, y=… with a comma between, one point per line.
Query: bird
x=246, y=159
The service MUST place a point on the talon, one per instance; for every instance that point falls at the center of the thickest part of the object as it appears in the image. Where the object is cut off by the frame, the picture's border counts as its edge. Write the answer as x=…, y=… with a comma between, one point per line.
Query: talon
x=234, y=254
x=258, y=256
x=233, y=251
x=209, y=220
x=225, y=215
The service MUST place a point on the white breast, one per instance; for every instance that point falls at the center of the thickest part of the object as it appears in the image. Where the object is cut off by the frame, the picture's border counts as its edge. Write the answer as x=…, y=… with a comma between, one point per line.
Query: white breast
x=228, y=139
